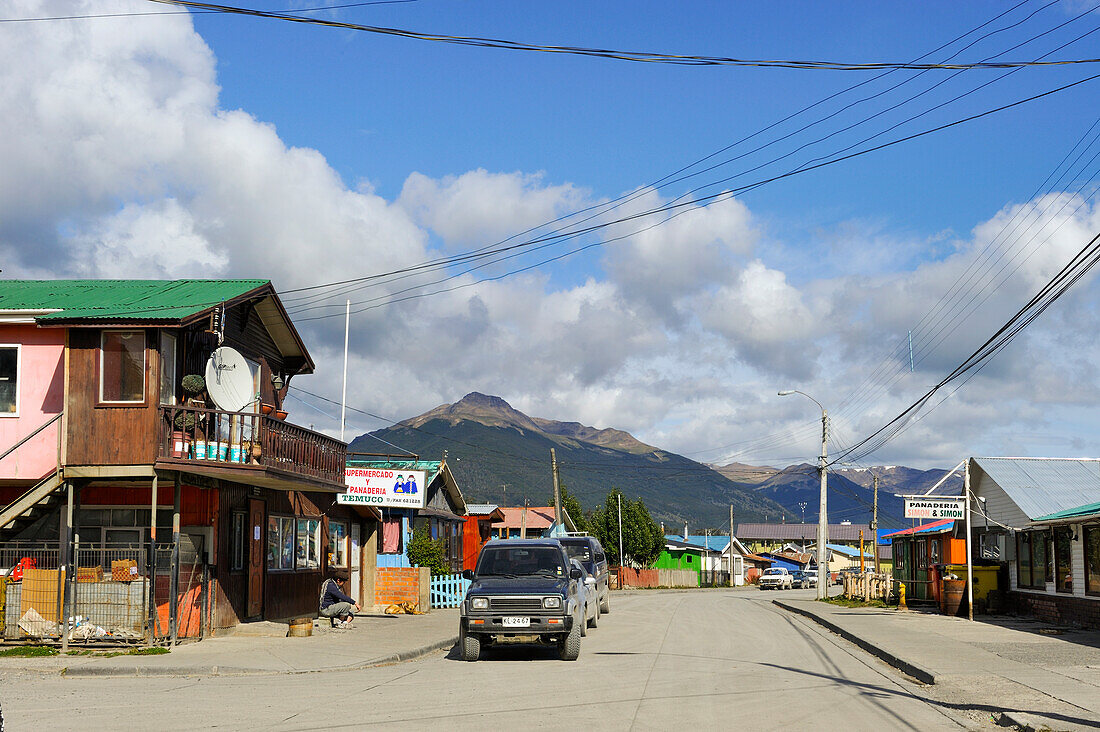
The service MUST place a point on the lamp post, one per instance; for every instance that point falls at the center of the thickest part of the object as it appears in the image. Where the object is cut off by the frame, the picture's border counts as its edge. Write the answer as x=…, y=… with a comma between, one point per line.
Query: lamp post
x=822, y=516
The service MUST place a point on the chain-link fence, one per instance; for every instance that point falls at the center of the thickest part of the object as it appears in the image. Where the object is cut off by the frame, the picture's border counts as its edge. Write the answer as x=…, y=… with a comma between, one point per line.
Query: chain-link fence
x=109, y=600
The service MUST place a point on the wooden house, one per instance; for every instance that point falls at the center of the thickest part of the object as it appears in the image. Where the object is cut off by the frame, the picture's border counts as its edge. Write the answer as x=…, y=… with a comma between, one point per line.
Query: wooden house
x=240, y=496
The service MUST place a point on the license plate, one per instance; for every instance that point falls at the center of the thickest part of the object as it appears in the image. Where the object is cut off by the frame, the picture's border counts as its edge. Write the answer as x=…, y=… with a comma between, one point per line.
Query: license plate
x=516, y=622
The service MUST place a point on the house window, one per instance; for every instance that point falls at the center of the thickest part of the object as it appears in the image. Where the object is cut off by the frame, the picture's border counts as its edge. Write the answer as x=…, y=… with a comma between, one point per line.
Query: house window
x=9, y=381
x=1034, y=564
x=1063, y=570
x=167, y=368
x=933, y=551
x=308, y=554
x=280, y=542
x=337, y=544
x=899, y=555
x=922, y=554
x=390, y=536
x=1091, y=536
x=238, y=541
x=122, y=366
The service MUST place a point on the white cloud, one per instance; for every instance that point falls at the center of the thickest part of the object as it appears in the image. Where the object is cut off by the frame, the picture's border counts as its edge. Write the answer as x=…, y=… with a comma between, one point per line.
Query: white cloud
x=119, y=161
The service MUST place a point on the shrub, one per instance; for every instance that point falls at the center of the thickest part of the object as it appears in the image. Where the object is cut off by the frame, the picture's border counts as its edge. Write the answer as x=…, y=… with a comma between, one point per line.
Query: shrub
x=424, y=551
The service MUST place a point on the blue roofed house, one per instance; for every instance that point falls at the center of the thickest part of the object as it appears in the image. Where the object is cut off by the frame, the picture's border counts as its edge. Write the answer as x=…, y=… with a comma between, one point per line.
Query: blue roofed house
x=1040, y=518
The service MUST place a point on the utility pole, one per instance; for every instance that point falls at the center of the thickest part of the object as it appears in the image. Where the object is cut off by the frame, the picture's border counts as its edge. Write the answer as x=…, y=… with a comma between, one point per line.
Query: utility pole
x=874, y=524
x=620, y=497
x=823, y=515
x=862, y=566
x=557, y=487
x=523, y=521
x=731, y=546
x=802, y=505
x=344, y=392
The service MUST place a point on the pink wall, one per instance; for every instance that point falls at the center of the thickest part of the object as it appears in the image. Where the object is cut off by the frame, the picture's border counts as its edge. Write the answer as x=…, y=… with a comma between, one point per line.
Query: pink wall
x=41, y=396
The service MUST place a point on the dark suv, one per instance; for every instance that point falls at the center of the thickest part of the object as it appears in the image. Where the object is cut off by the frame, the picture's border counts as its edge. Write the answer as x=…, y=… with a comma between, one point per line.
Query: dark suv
x=587, y=551
x=522, y=587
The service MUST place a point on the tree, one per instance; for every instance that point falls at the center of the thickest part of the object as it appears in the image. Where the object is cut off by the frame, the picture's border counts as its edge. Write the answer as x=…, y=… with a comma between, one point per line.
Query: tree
x=642, y=538
x=424, y=551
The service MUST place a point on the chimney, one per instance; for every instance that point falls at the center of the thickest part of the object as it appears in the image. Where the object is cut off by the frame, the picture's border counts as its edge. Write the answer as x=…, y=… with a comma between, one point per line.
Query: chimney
x=685, y=531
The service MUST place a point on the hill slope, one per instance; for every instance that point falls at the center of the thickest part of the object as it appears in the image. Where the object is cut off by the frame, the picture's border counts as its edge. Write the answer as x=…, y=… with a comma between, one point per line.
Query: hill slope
x=500, y=455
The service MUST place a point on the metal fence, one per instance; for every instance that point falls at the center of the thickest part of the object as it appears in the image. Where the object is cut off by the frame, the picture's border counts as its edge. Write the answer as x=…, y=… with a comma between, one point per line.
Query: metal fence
x=116, y=595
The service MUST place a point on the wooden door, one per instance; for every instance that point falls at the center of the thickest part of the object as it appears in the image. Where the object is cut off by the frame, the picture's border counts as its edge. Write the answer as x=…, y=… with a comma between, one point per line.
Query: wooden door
x=255, y=558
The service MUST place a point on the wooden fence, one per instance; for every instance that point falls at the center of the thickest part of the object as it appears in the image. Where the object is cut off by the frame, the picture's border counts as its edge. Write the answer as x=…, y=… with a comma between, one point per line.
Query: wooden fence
x=868, y=586
x=447, y=590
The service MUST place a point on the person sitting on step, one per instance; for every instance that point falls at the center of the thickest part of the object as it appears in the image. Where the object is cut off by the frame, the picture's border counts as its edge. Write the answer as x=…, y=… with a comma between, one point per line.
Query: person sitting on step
x=336, y=604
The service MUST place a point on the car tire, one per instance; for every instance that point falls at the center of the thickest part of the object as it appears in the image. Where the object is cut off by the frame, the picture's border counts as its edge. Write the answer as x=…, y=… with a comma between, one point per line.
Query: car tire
x=595, y=621
x=471, y=647
x=571, y=645
x=584, y=622
x=605, y=603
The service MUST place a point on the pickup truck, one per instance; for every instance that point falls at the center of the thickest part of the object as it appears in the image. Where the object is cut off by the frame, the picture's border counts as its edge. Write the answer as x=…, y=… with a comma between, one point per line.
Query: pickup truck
x=523, y=590
x=776, y=578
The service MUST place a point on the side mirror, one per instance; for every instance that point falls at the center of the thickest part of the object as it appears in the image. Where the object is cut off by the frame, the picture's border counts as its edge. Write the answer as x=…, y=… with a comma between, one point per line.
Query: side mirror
x=468, y=574
x=575, y=573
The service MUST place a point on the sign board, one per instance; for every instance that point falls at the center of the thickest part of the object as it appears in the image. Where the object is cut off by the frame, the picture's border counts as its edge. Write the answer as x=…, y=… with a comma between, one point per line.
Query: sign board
x=384, y=487
x=935, y=508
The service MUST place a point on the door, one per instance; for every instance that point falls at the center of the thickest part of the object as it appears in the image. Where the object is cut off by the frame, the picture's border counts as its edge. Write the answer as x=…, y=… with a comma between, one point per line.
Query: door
x=354, y=562
x=255, y=558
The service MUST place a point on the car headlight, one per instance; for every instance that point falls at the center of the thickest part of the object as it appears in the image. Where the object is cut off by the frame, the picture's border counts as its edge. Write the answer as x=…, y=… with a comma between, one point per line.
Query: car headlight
x=479, y=603
x=551, y=603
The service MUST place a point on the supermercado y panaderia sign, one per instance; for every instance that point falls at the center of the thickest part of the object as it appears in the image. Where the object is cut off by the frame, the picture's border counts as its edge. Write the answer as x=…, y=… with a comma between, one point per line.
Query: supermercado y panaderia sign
x=935, y=508
x=375, y=487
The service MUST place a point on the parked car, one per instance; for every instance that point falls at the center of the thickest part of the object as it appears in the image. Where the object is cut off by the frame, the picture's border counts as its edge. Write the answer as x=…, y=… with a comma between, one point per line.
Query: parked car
x=588, y=551
x=805, y=578
x=776, y=578
x=523, y=587
x=587, y=587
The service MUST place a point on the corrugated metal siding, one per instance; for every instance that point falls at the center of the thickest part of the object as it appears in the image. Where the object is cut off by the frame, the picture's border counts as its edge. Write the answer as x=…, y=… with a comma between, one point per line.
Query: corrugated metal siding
x=1077, y=560
x=797, y=532
x=1042, y=486
x=998, y=505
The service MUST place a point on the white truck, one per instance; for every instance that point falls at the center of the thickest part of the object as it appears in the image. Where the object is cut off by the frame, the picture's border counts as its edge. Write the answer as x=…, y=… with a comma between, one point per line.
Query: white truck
x=776, y=578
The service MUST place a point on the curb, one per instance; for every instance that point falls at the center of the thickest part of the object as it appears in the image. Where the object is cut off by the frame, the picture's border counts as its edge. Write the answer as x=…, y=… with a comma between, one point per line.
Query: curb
x=150, y=671
x=912, y=669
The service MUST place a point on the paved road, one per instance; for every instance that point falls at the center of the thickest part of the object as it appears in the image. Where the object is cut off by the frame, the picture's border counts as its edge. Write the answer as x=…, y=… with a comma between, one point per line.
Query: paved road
x=705, y=659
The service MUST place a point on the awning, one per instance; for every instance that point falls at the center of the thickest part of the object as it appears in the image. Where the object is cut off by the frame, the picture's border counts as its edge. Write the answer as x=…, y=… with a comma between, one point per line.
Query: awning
x=439, y=514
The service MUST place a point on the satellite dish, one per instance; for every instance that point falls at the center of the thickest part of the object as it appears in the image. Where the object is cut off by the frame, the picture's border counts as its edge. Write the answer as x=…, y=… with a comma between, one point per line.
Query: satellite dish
x=229, y=380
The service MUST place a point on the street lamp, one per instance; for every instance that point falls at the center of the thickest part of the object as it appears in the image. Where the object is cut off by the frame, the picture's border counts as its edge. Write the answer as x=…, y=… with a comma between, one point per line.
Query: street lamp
x=822, y=516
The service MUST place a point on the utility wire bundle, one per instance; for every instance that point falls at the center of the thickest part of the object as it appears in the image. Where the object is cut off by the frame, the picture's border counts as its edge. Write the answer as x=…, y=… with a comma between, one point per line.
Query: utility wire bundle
x=1066, y=278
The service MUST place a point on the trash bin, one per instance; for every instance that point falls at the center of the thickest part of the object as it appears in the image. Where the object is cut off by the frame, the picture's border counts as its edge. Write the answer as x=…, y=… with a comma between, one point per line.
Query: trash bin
x=985, y=579
x=954, y=594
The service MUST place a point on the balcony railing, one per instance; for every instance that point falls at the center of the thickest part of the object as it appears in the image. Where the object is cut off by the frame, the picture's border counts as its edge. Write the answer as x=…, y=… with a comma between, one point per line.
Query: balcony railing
x=244, y=439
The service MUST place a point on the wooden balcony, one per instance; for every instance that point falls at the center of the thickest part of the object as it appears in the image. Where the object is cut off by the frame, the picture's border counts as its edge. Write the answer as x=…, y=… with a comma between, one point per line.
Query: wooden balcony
x=251, y=448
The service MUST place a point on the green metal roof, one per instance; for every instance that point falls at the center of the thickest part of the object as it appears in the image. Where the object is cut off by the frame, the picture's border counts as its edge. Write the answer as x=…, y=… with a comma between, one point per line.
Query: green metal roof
x=120, y=300
x=1086, y=510
x=430, y=466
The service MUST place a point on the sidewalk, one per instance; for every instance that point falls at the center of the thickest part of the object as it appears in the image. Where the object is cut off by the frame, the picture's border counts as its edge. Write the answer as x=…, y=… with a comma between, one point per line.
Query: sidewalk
x=262, y=648
x=997, y=664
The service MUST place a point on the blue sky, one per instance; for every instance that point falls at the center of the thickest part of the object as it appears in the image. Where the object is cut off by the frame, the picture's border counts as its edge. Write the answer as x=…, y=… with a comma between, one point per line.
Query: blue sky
x=215, y=145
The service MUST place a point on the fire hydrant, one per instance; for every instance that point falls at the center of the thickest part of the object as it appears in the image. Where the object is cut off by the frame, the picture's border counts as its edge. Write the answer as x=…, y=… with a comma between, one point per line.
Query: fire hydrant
x=901, y=596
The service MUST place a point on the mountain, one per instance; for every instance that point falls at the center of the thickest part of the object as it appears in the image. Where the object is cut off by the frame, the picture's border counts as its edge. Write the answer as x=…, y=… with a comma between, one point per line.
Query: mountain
x=500, y=455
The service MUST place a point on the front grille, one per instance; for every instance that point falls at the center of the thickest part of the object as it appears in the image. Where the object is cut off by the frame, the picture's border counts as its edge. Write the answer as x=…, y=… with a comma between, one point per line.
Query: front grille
x=515, y=603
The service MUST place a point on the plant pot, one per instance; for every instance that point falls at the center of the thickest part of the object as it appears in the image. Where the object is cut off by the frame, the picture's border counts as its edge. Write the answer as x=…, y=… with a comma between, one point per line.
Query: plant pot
x=266, y=408
x=181, y=444
x=280, y=414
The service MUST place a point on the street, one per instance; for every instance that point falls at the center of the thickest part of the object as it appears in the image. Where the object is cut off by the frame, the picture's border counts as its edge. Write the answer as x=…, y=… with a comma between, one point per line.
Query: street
x=660, y=660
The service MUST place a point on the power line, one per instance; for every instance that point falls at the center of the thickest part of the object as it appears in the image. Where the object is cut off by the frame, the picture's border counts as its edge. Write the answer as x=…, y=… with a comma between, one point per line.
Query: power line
x=620, y=55
x=288, y=11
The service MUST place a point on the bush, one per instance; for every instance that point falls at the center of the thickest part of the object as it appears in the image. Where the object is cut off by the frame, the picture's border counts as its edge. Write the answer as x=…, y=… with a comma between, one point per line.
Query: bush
x=424, y=551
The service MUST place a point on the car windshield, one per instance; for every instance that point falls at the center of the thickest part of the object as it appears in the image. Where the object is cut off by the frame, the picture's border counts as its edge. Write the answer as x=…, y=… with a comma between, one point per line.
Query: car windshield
x=519, y=561
x=773, y=571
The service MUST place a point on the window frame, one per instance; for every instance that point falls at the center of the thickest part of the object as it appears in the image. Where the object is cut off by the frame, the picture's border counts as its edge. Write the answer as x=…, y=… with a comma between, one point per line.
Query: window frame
x=332, y=524
x=100, y=401
x=166, y=379
x=1066, y=532
x=1086, y=530
x=18, y=347
x=280, y=539
x=316, y=544
x=238, y=541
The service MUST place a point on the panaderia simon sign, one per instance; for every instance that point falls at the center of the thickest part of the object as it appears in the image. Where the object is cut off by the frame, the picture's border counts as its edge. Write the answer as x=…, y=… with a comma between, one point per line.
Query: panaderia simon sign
x=375, y=487
x=935, y=508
